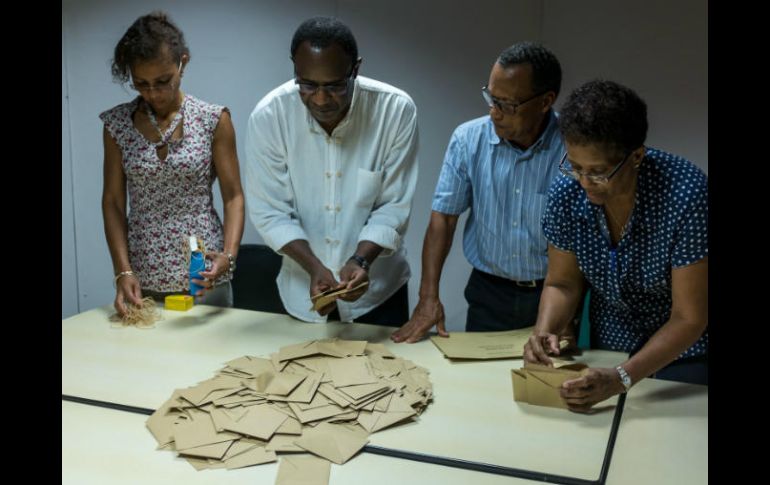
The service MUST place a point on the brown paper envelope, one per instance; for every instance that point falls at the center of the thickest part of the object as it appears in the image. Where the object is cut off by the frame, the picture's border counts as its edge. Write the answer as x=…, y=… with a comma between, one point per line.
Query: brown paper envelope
x=351, y=371
x=199, y=432
x=484, y=345
x=214, y=450
x=332, y=441
x=379, y=349
x=358, y=392
x=305, y=392
x=260, y=422
x=282, y=443
x=303, y=470
x=254, y=456
x=241, y=446
x=322, y=299
x=317, y=413
x=283, y=383
x=290, y=426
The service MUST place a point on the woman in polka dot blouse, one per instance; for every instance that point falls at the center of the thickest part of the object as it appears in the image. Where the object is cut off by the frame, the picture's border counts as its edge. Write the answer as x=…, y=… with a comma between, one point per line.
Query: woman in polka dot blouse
x=630, y=223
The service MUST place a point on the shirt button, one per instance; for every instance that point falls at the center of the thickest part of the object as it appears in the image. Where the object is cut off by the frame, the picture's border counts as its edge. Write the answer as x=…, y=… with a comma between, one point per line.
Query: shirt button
x=328, y=241
x=328, y=174
x=515, y=224
x=518, y=191
x=328, y=207
x=339, y=174
x=337, y=208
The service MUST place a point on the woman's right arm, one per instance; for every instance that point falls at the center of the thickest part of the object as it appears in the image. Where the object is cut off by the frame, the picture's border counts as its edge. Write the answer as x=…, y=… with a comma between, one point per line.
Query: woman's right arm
x=115, y=225
x=561, y=295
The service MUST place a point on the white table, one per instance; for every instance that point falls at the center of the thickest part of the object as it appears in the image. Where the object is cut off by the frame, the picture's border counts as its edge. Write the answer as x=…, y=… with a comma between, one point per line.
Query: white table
x=473, y=416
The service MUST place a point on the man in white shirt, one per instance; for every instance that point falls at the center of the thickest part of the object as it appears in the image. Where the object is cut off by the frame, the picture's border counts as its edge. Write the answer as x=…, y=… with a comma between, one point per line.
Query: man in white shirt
x=331, y=168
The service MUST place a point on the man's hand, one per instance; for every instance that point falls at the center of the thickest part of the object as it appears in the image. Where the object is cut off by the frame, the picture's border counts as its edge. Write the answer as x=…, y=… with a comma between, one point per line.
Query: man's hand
x=352, y=275
x=427, y=313
x=321, y=279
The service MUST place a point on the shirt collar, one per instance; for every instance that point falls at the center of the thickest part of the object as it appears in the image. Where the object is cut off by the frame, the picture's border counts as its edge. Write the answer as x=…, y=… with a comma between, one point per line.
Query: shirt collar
x=544, y=141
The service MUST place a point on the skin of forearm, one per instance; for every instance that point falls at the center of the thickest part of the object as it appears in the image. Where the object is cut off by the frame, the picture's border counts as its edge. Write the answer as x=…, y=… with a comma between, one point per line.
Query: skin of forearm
x=116, y=230
x=435, y=249
x=673, y=338
x=233, y=225
x=558, y=304
x=299, y=250
x=368, y=250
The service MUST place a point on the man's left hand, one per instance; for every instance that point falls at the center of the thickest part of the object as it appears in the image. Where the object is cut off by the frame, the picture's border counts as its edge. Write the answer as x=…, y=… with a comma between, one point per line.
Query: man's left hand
x=352, y=275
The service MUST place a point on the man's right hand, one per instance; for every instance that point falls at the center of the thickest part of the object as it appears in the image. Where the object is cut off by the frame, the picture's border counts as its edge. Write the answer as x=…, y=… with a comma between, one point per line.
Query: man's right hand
x=427, y=313
x=128, y=290
x=321, y=280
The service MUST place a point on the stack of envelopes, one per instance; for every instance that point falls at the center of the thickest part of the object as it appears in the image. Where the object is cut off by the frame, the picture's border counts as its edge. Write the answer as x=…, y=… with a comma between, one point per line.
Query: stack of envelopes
x=323, y=396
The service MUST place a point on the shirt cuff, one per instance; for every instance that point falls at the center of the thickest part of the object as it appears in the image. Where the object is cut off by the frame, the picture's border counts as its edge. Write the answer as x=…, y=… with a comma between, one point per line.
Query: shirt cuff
x=445, y=207
x=384, y=236
x=280, y=236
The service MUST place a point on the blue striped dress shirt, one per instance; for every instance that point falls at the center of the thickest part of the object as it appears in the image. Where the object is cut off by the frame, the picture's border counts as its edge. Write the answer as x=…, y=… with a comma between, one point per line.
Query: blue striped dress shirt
x=506, y=190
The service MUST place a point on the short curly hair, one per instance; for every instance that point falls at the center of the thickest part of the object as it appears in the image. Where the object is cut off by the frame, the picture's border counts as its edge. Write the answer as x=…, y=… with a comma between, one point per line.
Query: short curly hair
x=322, y=32
x=546, y=70
x=144, y=41
x=606, y=113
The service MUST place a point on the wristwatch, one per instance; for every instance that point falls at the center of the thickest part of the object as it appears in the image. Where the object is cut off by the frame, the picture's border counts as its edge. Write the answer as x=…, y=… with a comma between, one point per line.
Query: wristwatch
x=624, y=378
x=362, y=262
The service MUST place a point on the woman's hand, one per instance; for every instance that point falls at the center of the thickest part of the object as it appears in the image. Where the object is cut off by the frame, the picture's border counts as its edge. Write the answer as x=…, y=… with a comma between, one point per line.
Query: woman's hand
x=129, y=289
x=220, y=265
x=597, y=385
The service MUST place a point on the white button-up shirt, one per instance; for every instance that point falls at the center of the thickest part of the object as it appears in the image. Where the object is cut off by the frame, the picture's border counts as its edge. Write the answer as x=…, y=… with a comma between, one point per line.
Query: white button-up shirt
x=334, y=191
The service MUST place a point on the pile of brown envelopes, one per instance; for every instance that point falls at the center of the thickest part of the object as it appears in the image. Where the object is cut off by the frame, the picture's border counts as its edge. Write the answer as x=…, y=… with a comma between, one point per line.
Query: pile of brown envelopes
x=322, y=299
x=323, y=397
x=508, y=344
x=540, y=385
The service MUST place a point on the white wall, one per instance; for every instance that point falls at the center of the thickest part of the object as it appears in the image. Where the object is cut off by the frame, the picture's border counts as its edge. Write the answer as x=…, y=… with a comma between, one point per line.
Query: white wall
x=69, y=280
x=659, y=48
x=440, y=52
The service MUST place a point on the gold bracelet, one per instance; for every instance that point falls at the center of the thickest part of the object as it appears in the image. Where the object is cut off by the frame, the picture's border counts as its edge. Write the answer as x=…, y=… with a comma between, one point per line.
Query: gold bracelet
x=120, y=275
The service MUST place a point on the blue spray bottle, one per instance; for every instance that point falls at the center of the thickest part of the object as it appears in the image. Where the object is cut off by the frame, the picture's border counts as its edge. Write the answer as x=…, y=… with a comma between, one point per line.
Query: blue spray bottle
x=197, y=264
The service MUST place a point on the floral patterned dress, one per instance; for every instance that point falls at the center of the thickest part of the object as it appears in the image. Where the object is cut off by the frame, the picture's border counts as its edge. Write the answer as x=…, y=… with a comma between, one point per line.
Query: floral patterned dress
x=170, y=199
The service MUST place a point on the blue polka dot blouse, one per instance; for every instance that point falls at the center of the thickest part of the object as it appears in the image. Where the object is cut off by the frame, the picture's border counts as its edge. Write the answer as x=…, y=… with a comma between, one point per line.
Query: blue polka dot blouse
x=631, y=283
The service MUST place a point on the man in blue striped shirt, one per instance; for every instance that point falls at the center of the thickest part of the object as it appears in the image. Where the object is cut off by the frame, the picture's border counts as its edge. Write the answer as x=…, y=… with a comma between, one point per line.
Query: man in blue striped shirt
x=500, y=167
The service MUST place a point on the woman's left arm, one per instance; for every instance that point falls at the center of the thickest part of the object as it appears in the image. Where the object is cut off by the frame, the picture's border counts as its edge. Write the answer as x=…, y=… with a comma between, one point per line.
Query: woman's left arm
x=689, y=319
x=225, y=159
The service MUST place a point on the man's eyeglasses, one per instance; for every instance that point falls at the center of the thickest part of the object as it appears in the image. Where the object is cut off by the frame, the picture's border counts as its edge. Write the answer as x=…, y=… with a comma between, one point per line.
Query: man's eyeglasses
x=504, y=107
x=339, y=88
x=160, y=86
x=596, y=179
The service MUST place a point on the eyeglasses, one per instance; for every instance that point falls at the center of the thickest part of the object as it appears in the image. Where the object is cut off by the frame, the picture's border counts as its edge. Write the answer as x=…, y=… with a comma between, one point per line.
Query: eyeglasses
x=160, y=86
x=339, y=88
x=596, y=179
x=505, y=107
